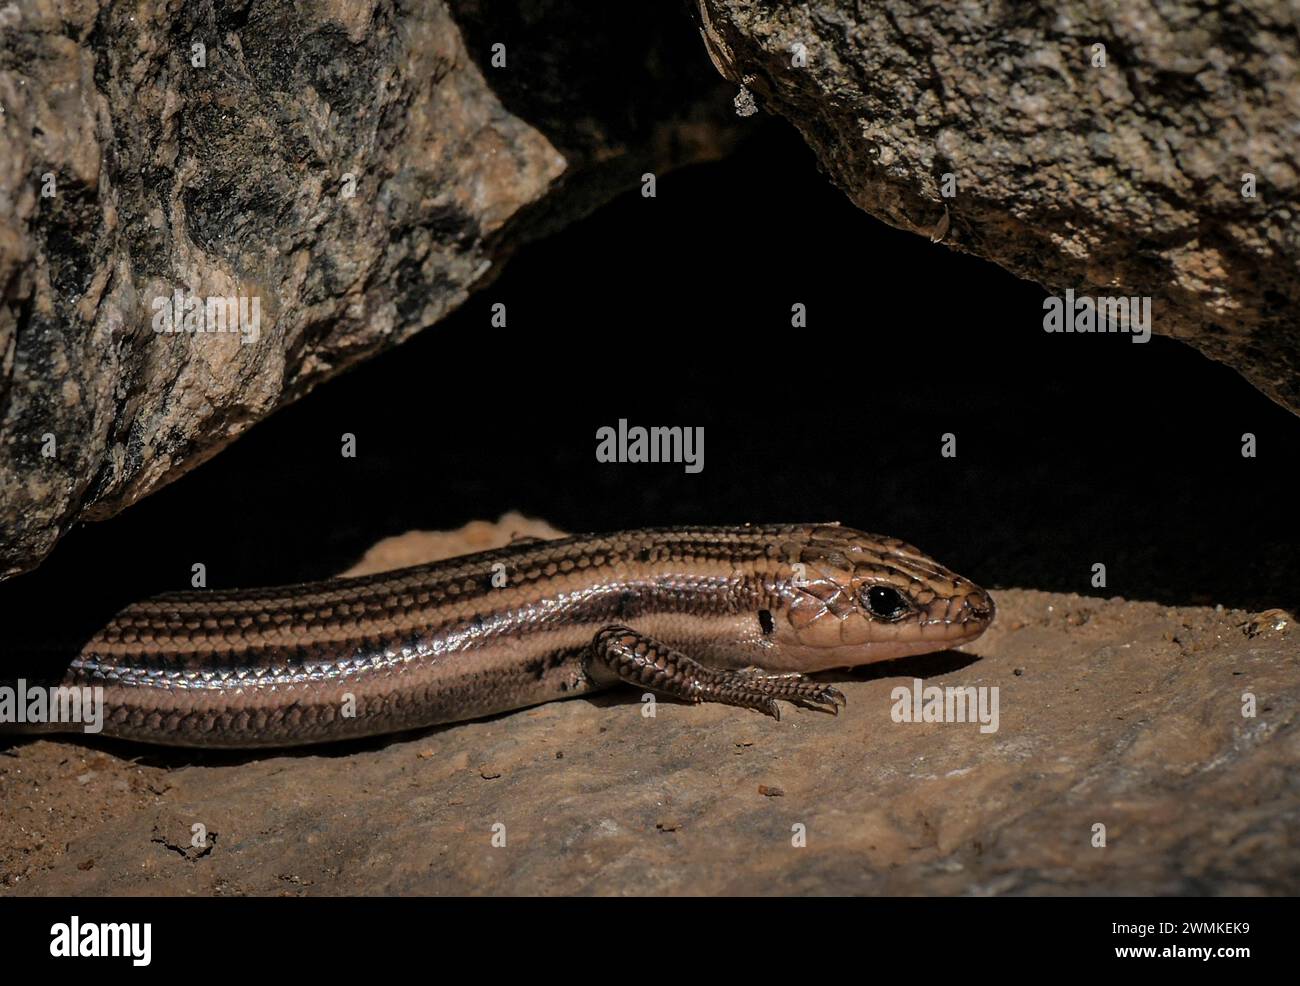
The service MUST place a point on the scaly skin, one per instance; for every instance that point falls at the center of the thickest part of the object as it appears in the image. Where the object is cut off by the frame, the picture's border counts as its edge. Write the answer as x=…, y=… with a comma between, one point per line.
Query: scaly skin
x=734, y=615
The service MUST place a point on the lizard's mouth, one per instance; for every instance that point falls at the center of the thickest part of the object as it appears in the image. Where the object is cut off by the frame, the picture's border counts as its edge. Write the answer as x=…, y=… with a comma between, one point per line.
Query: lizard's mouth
x=890, y=650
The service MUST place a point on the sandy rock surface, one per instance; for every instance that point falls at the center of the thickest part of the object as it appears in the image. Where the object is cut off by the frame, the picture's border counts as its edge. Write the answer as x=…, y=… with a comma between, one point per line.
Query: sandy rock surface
x=1126, y=715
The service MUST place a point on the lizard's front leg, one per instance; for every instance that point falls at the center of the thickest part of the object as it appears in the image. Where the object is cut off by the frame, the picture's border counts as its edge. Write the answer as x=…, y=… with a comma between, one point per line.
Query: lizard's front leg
x=619, y=653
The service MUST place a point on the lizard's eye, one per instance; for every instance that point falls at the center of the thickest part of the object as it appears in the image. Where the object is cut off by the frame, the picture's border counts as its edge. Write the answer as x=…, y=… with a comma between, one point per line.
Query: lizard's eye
x=885, y=603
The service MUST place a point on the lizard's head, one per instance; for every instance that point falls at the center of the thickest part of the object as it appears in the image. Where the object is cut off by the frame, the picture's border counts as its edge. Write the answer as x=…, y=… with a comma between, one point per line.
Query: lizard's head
x=852, y=598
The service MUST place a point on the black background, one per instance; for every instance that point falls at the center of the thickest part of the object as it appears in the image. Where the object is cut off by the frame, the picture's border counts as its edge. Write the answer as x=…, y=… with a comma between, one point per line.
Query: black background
x=1072, y=449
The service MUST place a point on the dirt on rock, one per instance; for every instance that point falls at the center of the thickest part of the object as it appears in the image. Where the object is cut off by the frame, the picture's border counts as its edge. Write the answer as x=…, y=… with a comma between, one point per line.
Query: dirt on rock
x=1139, y=749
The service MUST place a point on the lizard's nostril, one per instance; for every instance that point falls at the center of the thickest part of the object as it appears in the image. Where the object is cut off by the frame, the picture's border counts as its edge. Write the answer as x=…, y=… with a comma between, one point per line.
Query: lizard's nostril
x=981, y=606
x=976, y=607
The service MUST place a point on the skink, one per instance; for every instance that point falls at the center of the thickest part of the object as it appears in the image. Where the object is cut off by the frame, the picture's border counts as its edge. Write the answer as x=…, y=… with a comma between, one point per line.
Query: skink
x=737, y=615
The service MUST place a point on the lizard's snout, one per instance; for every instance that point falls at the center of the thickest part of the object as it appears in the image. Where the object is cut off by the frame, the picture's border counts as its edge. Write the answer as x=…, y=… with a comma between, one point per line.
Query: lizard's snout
x=971, y=613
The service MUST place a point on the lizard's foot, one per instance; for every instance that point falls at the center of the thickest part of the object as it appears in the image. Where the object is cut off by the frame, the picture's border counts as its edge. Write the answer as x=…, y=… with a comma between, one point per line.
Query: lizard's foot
x=621, y=653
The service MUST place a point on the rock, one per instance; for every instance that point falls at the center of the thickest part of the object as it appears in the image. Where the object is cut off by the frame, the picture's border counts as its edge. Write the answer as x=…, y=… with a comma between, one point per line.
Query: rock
x=348, y=172
x=1119, y=179
x=1166, y=733
x=419, y=547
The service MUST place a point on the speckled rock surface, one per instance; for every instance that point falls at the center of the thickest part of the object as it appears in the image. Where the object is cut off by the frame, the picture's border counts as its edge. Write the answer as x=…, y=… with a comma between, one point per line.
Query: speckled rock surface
x=1118, y=179
x=1117, y=714
x=353, y=168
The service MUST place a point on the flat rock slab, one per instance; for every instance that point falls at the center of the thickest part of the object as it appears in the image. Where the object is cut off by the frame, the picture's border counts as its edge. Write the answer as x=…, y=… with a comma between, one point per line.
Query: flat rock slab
x=1119, y=714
